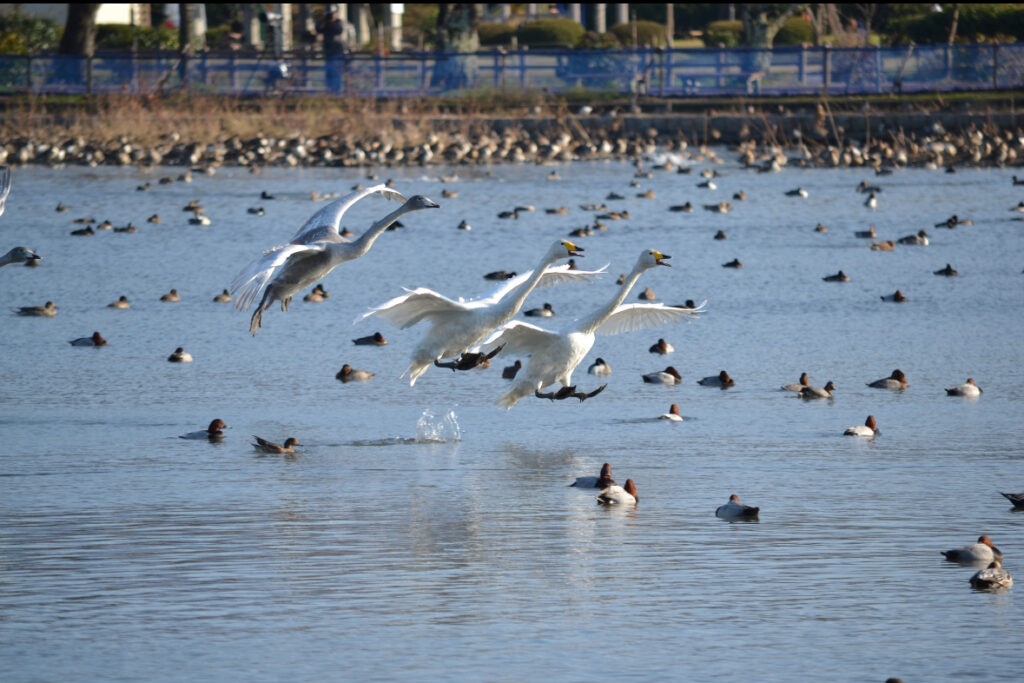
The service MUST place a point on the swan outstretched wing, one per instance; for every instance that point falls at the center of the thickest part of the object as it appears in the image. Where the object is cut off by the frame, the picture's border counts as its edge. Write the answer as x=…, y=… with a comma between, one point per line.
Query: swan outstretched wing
x=641, y=316
x=324, y=223
x=250, y=283
x=563, y=275
x=418, y=304
x=553, y=275
x=519, y=338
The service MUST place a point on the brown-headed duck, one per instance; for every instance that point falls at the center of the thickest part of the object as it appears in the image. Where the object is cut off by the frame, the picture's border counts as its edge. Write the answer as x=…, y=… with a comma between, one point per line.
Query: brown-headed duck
x=619, y=495
x=122, y=302
x=215, y=432
x=804, y=382
x=886, y=245
x=171, y=296
x=661, y=347
x=672, y=414
x=722, y=380
x=968, y=388
x=868, y=429
x=982, y=551
x=375, y=339
x=602, y=481
x=349, y=374
x=647, y=295
x=94, y=340
x=895, y=297
x=896, y=381
x=667, y=376
x=734, y=509
x=222, y=298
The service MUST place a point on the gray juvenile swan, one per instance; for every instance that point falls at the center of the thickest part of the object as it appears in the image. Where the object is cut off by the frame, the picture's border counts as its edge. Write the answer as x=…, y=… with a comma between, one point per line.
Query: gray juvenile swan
x=314, y=251
x=18, y=255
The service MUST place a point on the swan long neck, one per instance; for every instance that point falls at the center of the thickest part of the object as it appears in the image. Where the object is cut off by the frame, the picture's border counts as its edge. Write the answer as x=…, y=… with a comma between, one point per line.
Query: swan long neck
x=589, y=325
x=512, y=305
x=362, y=245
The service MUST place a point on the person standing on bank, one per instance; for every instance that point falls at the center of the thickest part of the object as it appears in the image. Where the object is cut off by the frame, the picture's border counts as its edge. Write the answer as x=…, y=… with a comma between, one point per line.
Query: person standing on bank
x=332, y=28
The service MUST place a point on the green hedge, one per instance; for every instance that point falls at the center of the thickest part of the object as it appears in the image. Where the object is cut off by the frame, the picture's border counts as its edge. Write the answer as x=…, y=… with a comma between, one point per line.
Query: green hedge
x=795, y=31
x=592, y=40
x=725, y=32
x=647, y=33
x=20, y=34
x=495, y=33
x=119, y=37
x=550, y=33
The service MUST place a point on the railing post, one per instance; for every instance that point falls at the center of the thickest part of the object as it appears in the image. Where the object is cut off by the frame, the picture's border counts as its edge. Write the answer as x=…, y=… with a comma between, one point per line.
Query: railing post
x=802, y=67
x=522, y=69
x=719, y=54
x=826, y=65
x=88, y=75
x=379, y=68
x=995, y=65
x=28, y=72
x=878, y=68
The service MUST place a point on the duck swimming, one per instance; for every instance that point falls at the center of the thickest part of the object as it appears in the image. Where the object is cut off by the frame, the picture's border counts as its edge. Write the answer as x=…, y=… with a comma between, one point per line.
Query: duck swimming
x=47, y=310
x=94, y=340
x=350, y=374
x=868, y=429
x=599, y=368
x=662, y=347
x=804, y=382
x=180, y=355
x=619, y=495
x=602, y=481
x=510, y=371
x=215, y=432
x=734, y=509
x=810, y=392
x=993, y=576
x=667, y=376
x=122, y=302
x=948, y=271
x=982, y=551
x=265, y=446
x=672, y=414
x=722, y=380
x=375, y=339
x=546, y=312
x=896, y=381
x=171, y=296
x=222, y=298
x=895, y=297
x=1016, y=498
x=968, y=388
x=838, y=277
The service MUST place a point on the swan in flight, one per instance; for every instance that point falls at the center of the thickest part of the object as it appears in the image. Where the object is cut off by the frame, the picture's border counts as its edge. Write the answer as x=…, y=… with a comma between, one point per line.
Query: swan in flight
x=314, y=251
x=457, y=326
x=554, y=355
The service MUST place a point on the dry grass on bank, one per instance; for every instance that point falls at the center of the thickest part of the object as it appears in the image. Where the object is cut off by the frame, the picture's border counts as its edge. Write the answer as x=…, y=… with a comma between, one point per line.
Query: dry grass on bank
x=205, y=120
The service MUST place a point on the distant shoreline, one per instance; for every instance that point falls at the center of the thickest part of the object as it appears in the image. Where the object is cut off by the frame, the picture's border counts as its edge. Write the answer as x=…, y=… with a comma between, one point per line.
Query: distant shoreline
x=209, y=132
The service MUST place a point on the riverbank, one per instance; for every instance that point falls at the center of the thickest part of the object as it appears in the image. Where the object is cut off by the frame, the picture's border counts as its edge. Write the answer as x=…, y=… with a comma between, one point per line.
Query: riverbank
x=205, y=132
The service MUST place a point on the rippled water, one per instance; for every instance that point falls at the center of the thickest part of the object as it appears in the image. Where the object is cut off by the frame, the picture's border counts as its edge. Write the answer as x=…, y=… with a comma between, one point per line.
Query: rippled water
x=426, y=532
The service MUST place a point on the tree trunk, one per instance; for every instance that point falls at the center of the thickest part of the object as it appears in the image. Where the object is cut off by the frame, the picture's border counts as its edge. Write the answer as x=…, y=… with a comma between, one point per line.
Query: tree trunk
x=760, y=31
x=80, y=30
x=956, y=18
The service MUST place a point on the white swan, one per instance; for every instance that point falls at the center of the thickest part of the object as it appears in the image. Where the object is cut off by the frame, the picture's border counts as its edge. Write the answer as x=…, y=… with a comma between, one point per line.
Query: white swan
x=554, y=355
x=457, y=326
x=314, y=251
x=18, y=255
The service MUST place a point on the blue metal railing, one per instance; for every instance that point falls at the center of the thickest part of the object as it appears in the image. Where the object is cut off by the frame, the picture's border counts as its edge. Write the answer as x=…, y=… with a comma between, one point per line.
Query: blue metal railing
x=676, y=72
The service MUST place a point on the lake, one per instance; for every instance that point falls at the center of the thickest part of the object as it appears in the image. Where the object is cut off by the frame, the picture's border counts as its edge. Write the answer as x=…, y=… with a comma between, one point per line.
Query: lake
x=426, y=532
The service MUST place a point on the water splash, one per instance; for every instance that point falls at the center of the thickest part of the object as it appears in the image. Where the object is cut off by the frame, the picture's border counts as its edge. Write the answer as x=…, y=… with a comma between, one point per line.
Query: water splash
x=431, y=428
